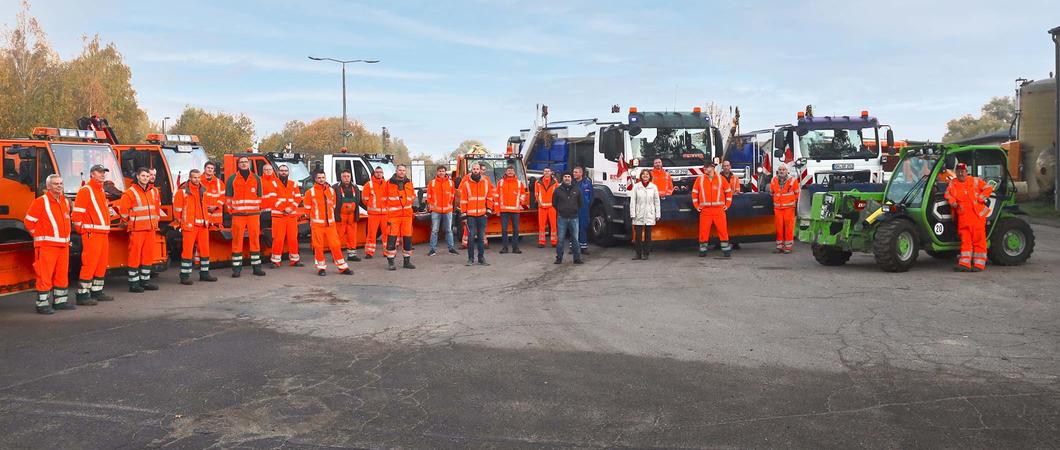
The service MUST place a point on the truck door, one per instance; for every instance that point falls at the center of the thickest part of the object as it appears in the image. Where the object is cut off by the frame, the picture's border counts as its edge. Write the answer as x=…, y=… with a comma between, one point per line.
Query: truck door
x=939, y=216
x=990, y=167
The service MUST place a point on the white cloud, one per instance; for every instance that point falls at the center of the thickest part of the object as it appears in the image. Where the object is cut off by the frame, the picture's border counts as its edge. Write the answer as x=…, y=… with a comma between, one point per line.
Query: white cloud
x=281, y=63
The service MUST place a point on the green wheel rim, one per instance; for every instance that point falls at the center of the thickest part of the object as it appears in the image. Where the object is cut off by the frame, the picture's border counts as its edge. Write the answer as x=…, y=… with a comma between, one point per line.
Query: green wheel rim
x=905, y=246
x=1014, y=242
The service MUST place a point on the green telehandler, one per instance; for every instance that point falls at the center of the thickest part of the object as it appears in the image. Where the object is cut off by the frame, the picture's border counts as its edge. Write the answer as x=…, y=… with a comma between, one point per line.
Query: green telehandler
x=912, y=214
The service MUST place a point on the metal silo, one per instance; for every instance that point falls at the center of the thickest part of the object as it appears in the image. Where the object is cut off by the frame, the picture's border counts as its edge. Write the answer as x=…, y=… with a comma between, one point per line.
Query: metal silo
x=1037, y=131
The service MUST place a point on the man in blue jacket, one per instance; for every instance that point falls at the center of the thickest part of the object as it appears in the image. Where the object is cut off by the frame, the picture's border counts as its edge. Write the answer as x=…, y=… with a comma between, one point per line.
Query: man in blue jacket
x=585, y=186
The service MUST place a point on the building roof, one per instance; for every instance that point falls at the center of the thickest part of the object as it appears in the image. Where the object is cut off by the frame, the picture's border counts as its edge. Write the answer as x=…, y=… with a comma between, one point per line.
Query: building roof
x=988, y=138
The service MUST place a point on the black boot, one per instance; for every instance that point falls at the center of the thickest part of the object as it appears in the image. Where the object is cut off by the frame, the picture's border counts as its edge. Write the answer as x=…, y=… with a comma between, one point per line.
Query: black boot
x=322, y=272
x=258, y=271
x=45, y=310
x=99, y=296
x=639, y=253
x=64, y=306
x=134, y=286
x=84, y=299
x=145, y=280
x=504, y=249
x=516, y=250
x=204, y=275
x=390, y=264
x=185, y=279
x=647, y=249
x=408, y=263
x=346, y=271
x=237, y=271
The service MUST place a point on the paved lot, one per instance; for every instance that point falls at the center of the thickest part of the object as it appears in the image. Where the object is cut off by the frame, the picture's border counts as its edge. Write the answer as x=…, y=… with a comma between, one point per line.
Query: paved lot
x=761, y=350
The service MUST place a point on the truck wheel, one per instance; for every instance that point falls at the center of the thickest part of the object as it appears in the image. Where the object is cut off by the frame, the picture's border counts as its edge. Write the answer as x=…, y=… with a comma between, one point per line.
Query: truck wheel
x=600, y=227
x=830, y=255
x=1011, y=243
x=896, y=246
x=945, y=255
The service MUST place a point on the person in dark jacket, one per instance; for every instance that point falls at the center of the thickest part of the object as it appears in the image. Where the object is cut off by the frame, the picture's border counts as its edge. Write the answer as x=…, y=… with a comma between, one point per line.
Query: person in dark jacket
x=585, y=188
x=568, y=201
x=347, y=213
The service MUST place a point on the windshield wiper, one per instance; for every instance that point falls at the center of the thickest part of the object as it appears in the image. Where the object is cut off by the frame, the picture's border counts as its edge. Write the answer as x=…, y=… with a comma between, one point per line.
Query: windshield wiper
x=913, y=189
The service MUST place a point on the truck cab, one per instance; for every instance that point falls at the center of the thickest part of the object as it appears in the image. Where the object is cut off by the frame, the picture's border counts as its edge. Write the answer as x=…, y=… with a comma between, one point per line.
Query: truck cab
x=172, y=155
x=297, y=164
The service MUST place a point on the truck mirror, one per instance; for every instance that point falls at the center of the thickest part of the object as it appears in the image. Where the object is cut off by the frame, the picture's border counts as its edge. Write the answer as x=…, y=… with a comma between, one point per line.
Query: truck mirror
x=889, y=145
x=778, y=153
x=634, y=130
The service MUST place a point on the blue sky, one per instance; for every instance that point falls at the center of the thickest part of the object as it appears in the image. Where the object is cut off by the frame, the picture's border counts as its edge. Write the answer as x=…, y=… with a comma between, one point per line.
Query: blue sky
x=475, y=69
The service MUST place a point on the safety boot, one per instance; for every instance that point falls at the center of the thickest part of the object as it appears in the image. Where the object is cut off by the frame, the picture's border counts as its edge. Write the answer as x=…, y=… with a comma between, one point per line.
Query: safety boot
x=84, y=299
x=297, y=264
x=204, y=275
x=148, y=286
x=346, y=271
x=185, y=279
x=516, y=250
x=45, y=310
x=638, y=256
x=64, y=306
x=134, y=286
x=62, y=299
x=390, y=264
x=408, y=263
x=504, y=249
x=322, y=272
x=237, y=271
x=368, y=256
x=100, y=296
x=727, y=253
x=258, y=271
x=275, y=265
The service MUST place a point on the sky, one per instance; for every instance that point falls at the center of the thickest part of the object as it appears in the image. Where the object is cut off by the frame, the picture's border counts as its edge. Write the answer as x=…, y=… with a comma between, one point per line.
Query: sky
x=475, y=69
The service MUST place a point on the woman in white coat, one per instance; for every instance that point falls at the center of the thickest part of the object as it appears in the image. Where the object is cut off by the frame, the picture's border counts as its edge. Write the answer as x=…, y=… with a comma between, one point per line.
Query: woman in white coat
x=644, y=209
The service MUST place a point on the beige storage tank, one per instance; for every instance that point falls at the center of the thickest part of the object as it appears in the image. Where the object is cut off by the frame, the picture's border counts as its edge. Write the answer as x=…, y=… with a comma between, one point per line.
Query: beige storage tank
x=1038, y=123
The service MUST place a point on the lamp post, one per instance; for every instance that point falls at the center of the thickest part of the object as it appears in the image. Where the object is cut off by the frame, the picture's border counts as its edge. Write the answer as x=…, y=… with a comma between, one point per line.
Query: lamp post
x=344, y=62
x=164, y=119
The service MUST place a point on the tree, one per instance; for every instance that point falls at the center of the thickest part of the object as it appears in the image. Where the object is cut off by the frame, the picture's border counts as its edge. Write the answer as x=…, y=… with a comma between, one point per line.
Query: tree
x=997, y=115
x=98, y=82
x=219, y=133
x=465, y=147
x=276, y=141
x=324, y=135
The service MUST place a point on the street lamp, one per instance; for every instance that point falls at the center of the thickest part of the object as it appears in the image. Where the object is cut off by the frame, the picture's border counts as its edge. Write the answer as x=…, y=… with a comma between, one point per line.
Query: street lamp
x=164, y=119
x=344, y=62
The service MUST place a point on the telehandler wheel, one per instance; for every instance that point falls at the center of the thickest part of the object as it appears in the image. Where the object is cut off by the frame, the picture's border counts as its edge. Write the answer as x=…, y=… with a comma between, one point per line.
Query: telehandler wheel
x=1011, y=243
x=829, y=255
x=943, y=254
x=896, y=246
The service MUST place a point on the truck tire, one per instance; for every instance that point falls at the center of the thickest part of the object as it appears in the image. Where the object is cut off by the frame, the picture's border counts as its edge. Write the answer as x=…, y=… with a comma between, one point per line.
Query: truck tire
x=600, y=226
x=1011, y=243
x=830, y=255
x=896, y=246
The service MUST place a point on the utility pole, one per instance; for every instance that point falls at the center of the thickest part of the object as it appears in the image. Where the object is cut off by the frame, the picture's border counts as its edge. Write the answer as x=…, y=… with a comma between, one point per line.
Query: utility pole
x=386, y=139
x=345, y=134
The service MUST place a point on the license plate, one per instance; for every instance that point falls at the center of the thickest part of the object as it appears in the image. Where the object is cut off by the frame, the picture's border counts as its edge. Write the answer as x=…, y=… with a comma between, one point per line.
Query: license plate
x=842, y=166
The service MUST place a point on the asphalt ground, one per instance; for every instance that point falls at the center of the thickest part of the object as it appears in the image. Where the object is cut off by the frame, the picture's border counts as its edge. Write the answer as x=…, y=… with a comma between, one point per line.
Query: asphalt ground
x=760, y=350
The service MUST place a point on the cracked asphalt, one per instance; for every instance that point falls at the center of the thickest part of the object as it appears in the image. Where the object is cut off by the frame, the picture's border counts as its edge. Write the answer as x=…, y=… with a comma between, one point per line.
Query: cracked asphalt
x=761, y=350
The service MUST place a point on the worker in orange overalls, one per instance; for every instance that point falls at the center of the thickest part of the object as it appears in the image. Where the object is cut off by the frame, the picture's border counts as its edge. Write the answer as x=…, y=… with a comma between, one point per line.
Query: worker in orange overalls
x=139, y=210
x=285, y=204
x=785, y=190
x=440, y=195
x=48, y=221
x=373, y=193
x=662, y=178
x=243, y=197
x=189, y=211
x=546, y=213
x=399, y=196
x=91, y=219
x=348, y=212
x=215, y=191
x=734, y=184
x=712, y=196
x=320, y=203
x=160, y=240
x=969, y=199
x=510, y=198
x=269, y=185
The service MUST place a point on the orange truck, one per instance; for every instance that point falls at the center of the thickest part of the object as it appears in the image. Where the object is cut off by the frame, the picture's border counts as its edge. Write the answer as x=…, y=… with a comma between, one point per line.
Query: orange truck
x=70, y=153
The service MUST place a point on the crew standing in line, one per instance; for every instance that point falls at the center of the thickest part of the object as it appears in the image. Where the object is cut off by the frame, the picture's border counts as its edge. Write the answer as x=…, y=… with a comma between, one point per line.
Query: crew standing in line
x=243, y=197
x=567, y=199
x=140, y=211
x=785, y=191
x=510, y=196
x=440, y=194
x=711, y=196
x=347, y=211
x=399, y=196
x=374, y=195
x=662, y=179
x=320, y=201
x=91, y=219
x=546, y=212
x=969, y=198
x=476, y=203
x=48, y=222
x=190, y=216
x=585, y=186
x=644, y=210
x=286, y=206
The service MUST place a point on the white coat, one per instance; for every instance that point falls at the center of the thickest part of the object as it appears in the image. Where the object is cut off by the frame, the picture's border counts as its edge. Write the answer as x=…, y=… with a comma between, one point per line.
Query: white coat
x=644, y=206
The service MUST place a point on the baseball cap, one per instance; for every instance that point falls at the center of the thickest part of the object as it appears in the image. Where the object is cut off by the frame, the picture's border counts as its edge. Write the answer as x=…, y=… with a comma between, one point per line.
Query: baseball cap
x=962, y=166
x=99, y=168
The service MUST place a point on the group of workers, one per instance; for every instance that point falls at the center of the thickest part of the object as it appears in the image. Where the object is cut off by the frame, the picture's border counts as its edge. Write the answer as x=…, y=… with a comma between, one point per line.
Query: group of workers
x=333, y=211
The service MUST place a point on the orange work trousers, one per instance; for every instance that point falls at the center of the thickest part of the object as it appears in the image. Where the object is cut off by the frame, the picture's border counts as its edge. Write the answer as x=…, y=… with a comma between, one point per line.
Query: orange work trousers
x=972, y=231
x=284, y=233
x=52, y=266
x=142, y=248
x=326, y=237
x=546, y=216
x=192, y=237
x=399, y=228
x=376, y=224
x=348, y=232
x=713, y=217
x=784, y=220
x=249, y=226
x=95, y=254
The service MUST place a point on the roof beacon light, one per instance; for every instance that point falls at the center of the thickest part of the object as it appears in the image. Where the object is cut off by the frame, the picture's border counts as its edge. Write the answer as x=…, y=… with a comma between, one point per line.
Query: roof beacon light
x=173, y=138
x=632, y=109
x=68, y=133
x=800, y=115
x=864, y=114
x=697, y=110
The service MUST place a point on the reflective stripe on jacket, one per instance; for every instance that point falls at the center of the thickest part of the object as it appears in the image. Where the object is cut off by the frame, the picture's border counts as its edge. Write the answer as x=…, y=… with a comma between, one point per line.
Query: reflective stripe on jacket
x=543, y=192
x=243, y=194
x=711, y=192
x=140, y=208
x=476, y=196
x=784, y=196
x=510, y=194
x=440, y=193
x=48, y=221
x=399, y=197
x=91, y=213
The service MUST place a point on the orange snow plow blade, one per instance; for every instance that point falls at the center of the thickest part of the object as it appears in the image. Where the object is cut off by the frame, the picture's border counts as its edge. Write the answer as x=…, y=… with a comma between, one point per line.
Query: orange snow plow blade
x=16, y=267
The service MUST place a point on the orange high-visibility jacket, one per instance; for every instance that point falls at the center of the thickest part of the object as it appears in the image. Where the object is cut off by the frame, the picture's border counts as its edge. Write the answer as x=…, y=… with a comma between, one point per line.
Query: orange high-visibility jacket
x=785, y=196
x=711, y=192
x=476, y=196
x=90, y=213
x=139, y=207
x=399, y=197
x=286, y=196
x=734, y=182
x=510, y=194
x=663, y=181
x=189, y=206
x=269, y=185
x=214, y=197
x=969, y=197
x=243, y=194
x=320, y=201
x=440, y=193
x=374, y=195
x=48, y=221
x=544, y=192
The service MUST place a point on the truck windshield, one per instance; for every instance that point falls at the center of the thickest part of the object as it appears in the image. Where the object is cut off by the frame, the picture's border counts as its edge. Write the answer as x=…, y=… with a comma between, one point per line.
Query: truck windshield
x=182, y=160
x=388, y=167
x=907, y=174
x=838, y=144
x=495, y=167
x=299, y=171
x=676, y=147
x=74, y=161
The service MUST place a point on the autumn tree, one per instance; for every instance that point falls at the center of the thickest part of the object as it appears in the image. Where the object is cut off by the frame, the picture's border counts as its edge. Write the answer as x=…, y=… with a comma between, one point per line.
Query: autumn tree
x=996, y=115
x=98, y=82
x=465, y=147
x=219, y=132
x=324, y=135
